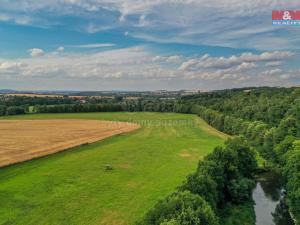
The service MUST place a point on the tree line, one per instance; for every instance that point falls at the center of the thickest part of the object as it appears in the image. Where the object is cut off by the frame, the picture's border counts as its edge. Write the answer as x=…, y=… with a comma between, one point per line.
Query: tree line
x=13, y=104
x=126, y=106
x=11, y=100
x=268, y=105
x=13, y=110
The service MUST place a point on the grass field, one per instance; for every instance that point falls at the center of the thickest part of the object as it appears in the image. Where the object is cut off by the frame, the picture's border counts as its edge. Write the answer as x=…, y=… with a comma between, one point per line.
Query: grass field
x=72, y=187
x=22, y=140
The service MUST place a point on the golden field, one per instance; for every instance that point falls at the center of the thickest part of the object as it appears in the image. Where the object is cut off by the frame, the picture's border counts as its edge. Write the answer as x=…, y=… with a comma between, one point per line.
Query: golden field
x=29, y=139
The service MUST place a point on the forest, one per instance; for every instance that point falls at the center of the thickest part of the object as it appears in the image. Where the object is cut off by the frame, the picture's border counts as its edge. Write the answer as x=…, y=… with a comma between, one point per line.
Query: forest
x=268, y=118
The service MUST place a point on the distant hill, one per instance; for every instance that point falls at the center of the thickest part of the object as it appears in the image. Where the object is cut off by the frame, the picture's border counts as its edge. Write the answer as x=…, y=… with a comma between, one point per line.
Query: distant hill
x=7, y=91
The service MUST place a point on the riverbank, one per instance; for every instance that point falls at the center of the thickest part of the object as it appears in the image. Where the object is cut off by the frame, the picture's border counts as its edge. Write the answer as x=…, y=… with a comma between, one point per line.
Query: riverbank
x=268, y=206
x=269, y=197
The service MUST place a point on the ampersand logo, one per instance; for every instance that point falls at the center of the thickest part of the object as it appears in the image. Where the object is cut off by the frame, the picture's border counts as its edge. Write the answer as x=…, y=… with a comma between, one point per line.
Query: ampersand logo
x=286, y=15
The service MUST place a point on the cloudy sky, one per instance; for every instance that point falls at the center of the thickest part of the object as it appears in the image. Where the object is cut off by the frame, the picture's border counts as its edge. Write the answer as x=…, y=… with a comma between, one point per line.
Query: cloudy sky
x=146, y=44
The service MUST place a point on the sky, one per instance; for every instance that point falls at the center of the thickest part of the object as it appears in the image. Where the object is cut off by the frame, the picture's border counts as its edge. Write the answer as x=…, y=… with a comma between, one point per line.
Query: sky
x=140, y=45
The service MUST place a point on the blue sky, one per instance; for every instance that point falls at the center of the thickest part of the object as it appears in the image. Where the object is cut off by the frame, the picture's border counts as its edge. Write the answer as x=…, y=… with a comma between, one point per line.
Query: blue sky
x=146, y=45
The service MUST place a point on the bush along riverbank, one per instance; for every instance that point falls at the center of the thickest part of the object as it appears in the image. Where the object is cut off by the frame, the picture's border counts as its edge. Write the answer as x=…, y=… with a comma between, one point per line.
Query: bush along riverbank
x=291, y=171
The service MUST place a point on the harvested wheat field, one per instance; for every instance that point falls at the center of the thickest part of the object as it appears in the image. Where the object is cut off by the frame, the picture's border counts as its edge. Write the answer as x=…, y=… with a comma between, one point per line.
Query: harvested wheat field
x=29, y=139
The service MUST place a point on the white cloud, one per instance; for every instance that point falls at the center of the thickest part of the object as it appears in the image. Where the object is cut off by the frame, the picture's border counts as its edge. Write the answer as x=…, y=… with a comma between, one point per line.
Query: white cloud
x=244, y=66
x=60, y=49
x=129, y=63
x=279, y=77
x=22, y=20
x=233, y=23
x=4, y=18
x=92, y=28
x=10, y=65
x=272, y=72
x=274, y=63
x=35, y=52
x=208, y=62
x=100, y=45
x=169, y=59
x=141, y=69
x=290, y=75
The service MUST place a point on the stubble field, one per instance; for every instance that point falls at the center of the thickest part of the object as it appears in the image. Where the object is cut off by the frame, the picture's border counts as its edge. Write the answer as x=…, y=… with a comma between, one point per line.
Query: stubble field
x=22, y=140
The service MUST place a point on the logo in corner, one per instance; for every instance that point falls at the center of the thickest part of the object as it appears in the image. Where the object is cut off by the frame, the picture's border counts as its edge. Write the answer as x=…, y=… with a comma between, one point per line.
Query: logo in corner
x=286, y=17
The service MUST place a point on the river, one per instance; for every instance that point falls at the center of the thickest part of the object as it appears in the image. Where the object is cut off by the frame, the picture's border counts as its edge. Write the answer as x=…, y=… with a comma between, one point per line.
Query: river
x=268, y=196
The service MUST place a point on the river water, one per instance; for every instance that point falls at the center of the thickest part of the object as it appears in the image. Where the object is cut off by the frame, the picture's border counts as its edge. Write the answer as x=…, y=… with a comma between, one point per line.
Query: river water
x=268, y=196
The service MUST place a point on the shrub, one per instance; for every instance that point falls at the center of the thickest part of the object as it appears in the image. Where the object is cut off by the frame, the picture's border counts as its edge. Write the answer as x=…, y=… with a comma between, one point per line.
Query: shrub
x=202, y=185
x=182, y=208
x=240, y=189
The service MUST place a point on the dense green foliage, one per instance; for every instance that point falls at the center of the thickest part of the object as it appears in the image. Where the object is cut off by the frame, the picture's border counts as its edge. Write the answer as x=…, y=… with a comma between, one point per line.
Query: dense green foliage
x=225, y=175
x=91, y=104
x=11, y=100
x=75, y=108
x=269, y=105
x=126, y=106
x=269, y=119
x=12, y=110
x=292, y=172
x=241, y=214
x=182, y=208
x=15, y=105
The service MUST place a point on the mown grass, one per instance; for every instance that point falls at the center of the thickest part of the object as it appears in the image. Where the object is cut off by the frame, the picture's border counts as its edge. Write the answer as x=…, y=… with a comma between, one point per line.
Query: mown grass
x=72, y=187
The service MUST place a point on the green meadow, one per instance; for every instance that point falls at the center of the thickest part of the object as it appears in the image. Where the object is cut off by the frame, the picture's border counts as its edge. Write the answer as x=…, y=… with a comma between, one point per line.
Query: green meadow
x=73, y=187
